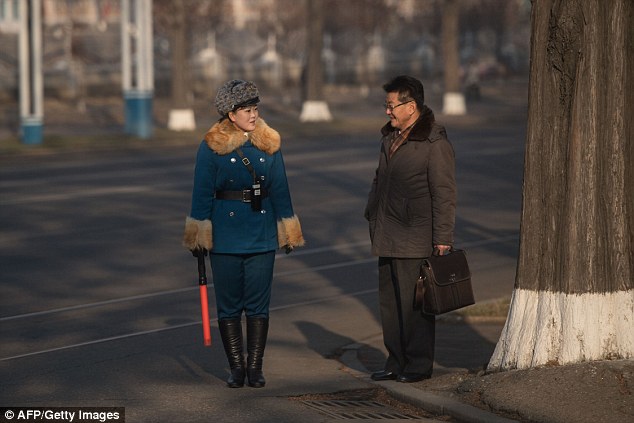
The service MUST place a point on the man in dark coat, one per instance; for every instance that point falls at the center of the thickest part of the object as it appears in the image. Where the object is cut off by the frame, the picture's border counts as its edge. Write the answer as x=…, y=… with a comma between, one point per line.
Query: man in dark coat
x=411, y=211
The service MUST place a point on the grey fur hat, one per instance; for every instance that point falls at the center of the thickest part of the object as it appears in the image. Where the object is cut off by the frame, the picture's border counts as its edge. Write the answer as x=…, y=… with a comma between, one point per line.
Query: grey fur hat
x=234, y=94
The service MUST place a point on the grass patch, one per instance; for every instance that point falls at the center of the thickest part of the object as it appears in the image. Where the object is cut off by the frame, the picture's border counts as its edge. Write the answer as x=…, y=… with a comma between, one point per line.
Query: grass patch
x=495, y=310
x=113, y=140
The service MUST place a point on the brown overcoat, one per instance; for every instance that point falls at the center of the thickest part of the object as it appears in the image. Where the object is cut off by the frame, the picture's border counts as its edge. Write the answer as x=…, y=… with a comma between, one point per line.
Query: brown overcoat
x=412, y=202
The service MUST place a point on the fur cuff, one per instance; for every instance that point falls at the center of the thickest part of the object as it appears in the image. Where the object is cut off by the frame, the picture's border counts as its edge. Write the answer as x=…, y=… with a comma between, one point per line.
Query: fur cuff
x=289, y=232
x=197, y=234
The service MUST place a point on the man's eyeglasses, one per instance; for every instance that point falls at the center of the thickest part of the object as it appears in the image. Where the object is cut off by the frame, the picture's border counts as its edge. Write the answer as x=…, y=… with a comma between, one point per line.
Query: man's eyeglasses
x=391, y=108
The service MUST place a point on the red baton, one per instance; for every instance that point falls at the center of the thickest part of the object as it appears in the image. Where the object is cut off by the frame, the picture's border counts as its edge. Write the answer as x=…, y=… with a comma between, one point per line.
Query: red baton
x=202, y=283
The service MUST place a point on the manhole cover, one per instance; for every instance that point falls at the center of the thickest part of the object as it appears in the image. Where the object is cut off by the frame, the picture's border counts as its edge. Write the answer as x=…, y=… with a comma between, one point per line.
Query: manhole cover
x=353, y=410
x=365, y=404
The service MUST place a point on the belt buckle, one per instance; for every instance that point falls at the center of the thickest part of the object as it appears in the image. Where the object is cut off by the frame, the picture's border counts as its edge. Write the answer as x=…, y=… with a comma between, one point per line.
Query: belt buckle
x=246, y=196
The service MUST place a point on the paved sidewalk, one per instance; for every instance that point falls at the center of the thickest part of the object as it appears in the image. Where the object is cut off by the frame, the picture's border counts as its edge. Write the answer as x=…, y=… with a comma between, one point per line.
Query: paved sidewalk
x=588, y=392
x=461, y=348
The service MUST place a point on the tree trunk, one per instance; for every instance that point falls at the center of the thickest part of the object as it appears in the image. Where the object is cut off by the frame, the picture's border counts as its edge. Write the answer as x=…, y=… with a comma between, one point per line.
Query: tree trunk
x=314, y=65
x=176, y=17
x=179, y=63
x=453, y=101
x=181, y=116
x=314, y=107
x=574, y=290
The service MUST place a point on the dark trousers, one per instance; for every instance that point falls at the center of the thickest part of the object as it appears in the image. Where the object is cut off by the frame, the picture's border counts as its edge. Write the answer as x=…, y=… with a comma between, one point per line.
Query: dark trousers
x=408, y=334
x=242, y=283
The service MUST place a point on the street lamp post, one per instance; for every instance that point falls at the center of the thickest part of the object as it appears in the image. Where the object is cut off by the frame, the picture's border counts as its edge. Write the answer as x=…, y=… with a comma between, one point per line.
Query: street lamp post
x=30, y=58
x=137, y=66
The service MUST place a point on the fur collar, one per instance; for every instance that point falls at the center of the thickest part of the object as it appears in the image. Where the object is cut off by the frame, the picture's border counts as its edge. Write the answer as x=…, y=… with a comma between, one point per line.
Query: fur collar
x=422, y=128
x=224, y=137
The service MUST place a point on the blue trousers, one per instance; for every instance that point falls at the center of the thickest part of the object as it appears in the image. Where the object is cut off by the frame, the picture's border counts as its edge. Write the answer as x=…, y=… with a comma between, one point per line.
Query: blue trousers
x=242, y=283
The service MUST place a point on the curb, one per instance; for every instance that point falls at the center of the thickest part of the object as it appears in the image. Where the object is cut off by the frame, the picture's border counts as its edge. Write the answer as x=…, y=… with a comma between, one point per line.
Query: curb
x=432, y=403
x=442, y=405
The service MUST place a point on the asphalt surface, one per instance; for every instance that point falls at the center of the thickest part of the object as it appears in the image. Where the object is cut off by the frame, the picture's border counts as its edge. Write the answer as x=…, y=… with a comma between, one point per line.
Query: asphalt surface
x=99, y=304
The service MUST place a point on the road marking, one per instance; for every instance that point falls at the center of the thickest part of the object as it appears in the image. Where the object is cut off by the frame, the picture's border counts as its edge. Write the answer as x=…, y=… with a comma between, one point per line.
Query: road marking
x=96, y=304
x=86, y=193
x=308, y=251
x=184, y=325
x=180, y=326
x=176, y=291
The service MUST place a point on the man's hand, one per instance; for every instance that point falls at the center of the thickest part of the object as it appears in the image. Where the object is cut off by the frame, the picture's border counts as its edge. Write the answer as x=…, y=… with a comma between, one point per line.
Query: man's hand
x=441, y=250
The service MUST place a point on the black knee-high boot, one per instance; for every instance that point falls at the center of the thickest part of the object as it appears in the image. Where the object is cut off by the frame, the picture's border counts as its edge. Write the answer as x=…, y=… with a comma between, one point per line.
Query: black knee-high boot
x=231, y=334
x=257, y=330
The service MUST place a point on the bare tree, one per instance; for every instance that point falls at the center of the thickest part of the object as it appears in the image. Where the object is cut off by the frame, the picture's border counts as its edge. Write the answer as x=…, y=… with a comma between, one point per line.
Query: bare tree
x=574, y=291
x=314, y=67
x=173, y=17
x=314, y=107
x=453, y=100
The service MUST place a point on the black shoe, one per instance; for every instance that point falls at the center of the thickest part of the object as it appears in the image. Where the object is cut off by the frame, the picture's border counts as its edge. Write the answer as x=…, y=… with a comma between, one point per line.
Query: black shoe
x=236, y=380
x=231, y=335
x=255, y=378
x=411, y=377
x=257, y=330
x=383, y=375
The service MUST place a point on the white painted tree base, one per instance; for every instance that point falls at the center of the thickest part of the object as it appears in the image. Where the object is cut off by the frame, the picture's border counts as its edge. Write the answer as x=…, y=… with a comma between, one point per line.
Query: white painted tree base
x=315, y=111
x=181, y=120
x=454, y=104
x=556, y=328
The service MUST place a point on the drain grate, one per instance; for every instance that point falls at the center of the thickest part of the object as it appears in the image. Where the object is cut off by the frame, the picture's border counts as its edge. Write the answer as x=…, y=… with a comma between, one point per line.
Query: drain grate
x=353, y=410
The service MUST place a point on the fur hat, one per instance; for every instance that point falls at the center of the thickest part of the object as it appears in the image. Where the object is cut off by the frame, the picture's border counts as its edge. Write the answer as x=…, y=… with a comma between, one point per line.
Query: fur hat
x=234, y=94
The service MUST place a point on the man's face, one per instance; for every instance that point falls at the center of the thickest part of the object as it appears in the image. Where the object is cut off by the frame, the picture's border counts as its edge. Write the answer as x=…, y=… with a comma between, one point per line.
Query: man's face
x=400, y=113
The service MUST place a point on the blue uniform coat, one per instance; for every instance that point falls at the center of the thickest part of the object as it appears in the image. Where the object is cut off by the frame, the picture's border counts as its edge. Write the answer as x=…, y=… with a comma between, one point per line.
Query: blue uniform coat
x=231, y=226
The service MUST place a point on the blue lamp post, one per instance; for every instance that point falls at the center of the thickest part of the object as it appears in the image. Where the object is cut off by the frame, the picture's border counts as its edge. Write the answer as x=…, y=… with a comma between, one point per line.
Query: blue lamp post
x=137, y=66
x=30, y=59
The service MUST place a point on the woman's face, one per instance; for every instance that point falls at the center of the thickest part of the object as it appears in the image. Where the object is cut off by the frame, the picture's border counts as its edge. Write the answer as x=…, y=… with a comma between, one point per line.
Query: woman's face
x=244, y=118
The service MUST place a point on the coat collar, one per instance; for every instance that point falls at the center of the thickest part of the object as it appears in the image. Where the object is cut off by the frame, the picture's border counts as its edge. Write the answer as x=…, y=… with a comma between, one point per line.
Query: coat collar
x=223, y=137
x=422, y=127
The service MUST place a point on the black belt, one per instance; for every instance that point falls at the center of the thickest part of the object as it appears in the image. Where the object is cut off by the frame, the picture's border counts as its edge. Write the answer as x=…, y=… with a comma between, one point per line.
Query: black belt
x=244, y=195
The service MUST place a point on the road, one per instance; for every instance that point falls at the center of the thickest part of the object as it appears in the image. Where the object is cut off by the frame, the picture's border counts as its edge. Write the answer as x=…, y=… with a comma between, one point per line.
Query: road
x=99, y=301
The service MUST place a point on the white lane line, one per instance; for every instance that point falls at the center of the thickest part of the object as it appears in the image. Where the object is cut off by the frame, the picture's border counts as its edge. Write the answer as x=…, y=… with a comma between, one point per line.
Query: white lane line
x=317, y=250
x=175, y=291
x=183, y=325
x=87, y=193
x=96, y=304
x=282, y=307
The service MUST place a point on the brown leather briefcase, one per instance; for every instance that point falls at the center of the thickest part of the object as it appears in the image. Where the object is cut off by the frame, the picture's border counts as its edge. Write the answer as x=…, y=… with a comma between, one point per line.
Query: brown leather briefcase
x=444, y=283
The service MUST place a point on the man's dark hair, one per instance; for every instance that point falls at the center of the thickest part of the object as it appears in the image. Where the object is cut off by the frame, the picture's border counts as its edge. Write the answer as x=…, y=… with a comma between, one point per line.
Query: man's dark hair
x=408, y=88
